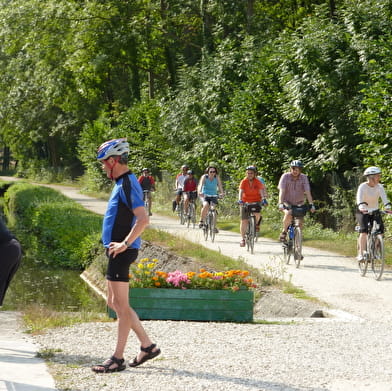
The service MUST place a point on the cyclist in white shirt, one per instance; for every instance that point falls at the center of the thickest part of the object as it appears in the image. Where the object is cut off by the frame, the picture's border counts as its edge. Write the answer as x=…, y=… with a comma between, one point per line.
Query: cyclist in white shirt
x=368, y=196
x=180, y=178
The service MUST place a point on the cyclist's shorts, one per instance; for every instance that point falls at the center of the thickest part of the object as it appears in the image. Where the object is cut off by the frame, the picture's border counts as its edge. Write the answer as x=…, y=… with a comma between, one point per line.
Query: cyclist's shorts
x=210, y=200
x=363, y=220
x=192, y=195
x=118, y=267
x=246, y=209
x=299, y=211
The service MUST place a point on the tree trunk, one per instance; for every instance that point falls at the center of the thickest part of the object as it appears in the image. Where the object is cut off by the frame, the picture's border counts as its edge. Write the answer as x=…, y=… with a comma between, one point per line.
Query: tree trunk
x=6, y=158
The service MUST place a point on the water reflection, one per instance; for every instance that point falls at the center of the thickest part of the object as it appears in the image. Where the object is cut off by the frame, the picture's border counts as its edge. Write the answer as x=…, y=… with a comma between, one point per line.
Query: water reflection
x=57, y=289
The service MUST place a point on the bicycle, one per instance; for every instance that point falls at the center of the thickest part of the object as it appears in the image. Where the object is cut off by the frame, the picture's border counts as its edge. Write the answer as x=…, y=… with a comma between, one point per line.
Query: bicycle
x=374, y=253
x=209, y=227
x=293, y=247
x=181, y=211
x=146, y=199
x=191, y=215
x=251, y=232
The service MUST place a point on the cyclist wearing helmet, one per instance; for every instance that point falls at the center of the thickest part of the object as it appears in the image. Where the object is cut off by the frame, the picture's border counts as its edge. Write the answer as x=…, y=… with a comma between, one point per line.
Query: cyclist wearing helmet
x=147, y=183
x=189, y=189
x=124, y=221
x=251, y=191
x=210, y=186
x=293, y=186
x=368, y=196
x=180, y=178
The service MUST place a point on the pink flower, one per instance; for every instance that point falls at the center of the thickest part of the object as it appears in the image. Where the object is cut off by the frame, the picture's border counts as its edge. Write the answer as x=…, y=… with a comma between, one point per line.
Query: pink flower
x=177, y=278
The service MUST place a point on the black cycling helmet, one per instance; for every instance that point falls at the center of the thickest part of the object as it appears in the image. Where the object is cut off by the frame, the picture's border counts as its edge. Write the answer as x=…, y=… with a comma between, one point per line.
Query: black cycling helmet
x=253, y=168
x=296, y=163
x=190, y=172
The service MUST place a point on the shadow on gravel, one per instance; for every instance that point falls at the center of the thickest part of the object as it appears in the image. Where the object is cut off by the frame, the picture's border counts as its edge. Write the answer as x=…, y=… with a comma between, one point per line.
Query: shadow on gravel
x=233, y=381
x=331, y=267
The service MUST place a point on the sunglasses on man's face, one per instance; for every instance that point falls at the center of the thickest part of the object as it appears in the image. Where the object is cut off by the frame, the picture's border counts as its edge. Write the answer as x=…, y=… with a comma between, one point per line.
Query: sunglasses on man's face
x=212, y=172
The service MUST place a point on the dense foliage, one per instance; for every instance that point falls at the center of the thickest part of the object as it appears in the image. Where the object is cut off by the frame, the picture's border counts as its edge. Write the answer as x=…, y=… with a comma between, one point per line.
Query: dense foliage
x=51, y=224
x=235, y=82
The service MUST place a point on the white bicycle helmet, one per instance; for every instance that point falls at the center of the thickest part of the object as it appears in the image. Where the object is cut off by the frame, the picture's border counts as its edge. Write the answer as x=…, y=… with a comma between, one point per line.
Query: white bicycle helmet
x=115, y=147
x=372, y=171
x=296, y=163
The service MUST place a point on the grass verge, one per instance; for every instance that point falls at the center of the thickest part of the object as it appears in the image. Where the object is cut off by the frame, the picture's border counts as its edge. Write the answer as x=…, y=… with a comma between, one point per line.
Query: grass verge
x=37, y=318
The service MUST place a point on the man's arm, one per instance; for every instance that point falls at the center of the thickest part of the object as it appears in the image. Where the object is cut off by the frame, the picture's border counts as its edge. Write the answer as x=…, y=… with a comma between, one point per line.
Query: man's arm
x=142, y=220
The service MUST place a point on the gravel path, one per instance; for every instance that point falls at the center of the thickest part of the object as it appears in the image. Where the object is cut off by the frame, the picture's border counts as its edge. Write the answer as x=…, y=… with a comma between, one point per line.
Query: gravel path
x=351, y=351
x=317, y=355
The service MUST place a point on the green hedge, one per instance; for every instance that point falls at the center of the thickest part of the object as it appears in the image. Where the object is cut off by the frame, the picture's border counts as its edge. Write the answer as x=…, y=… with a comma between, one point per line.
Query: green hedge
x=56, y=230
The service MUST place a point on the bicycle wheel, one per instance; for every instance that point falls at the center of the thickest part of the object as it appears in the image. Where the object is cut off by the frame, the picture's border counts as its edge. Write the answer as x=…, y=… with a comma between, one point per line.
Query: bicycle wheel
x=212, y=225
x=191, y=215
x=206, y=226
x=287, y=251
x=182, y=213
x=378, y=259
x=297, y=246
x=362, y=265
x=251, y=234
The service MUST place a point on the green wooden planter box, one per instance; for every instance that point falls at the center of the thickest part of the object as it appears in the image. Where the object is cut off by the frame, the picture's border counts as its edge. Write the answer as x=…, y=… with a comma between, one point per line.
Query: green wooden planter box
x=191, y=304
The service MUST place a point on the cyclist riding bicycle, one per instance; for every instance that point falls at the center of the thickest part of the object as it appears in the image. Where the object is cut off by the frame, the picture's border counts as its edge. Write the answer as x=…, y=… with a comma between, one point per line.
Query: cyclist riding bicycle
x=209, y=187
x=293, y=186
x=179, y=184
x=147, y=183
x=189, y=189
x=368, y=196
x=251, y=191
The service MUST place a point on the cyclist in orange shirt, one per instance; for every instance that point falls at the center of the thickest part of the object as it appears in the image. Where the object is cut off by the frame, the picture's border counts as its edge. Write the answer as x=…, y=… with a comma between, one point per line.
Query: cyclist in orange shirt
x=253, y=192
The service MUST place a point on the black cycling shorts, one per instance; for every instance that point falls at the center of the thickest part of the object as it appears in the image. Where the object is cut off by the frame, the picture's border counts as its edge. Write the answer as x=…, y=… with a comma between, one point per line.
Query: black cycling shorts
x=364, y=218
x=210, y=199
x=118, y=267
x=246, y=209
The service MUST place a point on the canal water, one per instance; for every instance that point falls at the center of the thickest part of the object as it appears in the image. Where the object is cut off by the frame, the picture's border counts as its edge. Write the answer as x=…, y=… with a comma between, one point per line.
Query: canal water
x=57, y=289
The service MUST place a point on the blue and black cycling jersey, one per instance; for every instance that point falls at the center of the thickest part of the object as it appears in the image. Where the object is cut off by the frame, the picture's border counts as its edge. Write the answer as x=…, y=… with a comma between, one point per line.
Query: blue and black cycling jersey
x=119, y=219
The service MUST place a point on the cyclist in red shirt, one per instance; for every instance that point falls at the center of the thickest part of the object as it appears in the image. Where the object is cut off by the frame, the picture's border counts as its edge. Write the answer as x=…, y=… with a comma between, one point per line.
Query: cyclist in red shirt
x=189, y=189
x=147, y=183
x=251, y=191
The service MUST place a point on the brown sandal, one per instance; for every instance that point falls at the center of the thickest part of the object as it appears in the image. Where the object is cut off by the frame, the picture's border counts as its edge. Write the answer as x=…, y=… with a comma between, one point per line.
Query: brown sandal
x=105, y=366
x=150, y=355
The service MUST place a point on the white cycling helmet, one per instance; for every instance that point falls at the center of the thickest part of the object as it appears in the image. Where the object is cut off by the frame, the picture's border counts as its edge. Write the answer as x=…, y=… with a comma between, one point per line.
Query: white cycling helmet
x=296, y=163
x=372, y=171
x=115, y=147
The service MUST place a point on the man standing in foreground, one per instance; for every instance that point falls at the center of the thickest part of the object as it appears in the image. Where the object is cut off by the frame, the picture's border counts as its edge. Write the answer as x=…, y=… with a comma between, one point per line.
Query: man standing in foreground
x=124, y=221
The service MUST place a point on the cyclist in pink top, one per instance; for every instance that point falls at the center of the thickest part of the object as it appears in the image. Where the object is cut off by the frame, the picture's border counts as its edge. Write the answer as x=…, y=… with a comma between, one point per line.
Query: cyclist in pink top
x=293, y=187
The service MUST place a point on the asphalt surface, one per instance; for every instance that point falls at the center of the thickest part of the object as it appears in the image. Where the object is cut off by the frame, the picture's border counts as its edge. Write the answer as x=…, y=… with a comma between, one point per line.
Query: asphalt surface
x=332, y=278
x=20, y=368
